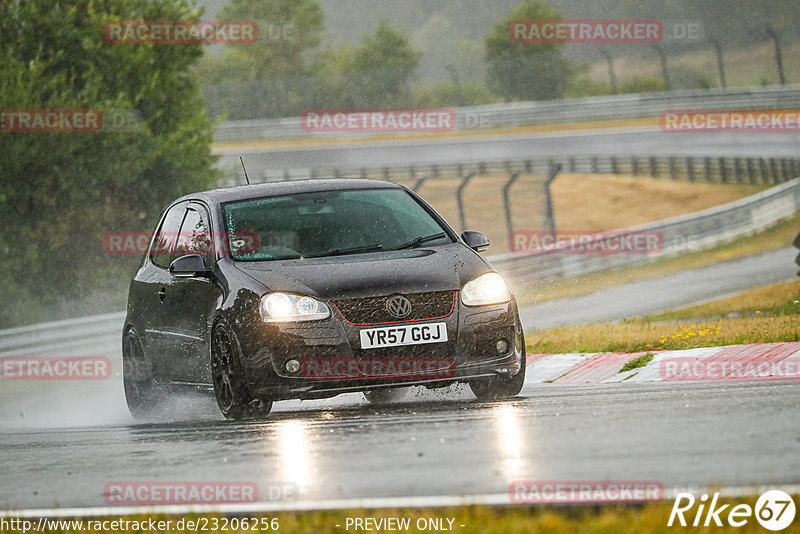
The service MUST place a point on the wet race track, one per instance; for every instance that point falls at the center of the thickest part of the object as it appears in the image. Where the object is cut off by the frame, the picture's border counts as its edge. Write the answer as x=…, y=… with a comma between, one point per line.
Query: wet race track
x=686, y=435
x=63, y=443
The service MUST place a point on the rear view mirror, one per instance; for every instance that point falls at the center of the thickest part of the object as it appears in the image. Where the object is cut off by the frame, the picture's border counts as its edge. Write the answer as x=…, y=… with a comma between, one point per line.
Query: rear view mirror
x=475, y=240
x=189, y=266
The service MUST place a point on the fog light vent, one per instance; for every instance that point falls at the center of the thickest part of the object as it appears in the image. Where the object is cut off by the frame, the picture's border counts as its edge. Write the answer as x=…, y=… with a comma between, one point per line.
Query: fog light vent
x=292, y=366
x=501, y=346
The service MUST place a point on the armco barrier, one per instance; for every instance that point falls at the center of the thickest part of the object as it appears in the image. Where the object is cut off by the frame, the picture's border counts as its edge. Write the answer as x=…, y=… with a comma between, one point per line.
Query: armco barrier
x=627, y=106
x=87, y=335
x=692, y=168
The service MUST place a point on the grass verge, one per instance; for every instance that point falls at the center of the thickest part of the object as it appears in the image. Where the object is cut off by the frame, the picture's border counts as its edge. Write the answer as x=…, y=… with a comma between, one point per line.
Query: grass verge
x=762, y=315
x=635, y=363
x=590, y=519
x=764, y=301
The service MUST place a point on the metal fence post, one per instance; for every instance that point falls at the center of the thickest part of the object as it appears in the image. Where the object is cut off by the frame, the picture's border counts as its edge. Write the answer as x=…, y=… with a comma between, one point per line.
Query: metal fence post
x=418, y=184
x=723, y=172
x=549, y=216
x=737, y=169
x=460, y=198
x=507, y=203
x=762, y=167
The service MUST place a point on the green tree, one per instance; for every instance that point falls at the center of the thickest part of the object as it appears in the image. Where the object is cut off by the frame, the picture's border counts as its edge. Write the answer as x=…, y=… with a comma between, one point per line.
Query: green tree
x=61, y=192
x=287, y=29
x=267, y=78
x=379, y=71
x=526, y=71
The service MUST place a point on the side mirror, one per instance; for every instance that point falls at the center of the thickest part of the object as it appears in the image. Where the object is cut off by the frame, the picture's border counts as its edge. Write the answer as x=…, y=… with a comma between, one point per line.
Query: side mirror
x=475, y=240
x=189, y=266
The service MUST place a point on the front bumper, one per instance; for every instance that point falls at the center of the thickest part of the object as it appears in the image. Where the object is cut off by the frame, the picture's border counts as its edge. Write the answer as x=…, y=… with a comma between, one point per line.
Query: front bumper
x=333, y=346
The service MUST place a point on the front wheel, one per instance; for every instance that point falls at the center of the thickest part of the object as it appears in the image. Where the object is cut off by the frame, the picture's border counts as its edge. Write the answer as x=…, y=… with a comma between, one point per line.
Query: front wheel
x=499, y=387
x=230, y=387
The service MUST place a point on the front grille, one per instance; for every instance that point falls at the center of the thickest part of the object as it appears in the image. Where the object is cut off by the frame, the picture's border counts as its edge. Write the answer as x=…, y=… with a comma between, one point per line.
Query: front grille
x=372, y=310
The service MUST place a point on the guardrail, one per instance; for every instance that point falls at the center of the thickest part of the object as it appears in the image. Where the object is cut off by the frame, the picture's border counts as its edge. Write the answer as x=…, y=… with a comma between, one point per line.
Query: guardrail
x=691, y=168
x=627, y=106
x=88, y=335
x=85, y=336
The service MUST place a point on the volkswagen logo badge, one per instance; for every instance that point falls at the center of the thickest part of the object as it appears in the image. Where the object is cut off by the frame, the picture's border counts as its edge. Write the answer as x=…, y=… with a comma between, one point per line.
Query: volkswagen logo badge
x=398, y=306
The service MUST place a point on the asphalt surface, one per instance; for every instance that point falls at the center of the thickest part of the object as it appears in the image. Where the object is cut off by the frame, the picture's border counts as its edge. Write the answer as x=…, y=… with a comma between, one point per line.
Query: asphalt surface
x=628, y=141
x=62, y=442
x=679, y=435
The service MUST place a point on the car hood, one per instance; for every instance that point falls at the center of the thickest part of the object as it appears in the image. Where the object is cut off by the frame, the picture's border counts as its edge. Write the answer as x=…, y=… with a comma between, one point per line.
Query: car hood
x=442, y=268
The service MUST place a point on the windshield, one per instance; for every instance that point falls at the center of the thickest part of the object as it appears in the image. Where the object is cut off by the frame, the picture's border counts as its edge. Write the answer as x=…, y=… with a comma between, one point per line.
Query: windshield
x=328, y=224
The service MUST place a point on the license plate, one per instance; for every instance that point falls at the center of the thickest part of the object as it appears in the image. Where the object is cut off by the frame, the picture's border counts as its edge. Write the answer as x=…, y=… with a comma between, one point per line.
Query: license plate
x=412, y=334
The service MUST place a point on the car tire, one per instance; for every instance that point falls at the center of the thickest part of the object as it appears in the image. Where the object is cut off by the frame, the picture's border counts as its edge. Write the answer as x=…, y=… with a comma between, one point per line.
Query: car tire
x=233, y=396
x=498, y=387
x=385, y=395
x=141, y=391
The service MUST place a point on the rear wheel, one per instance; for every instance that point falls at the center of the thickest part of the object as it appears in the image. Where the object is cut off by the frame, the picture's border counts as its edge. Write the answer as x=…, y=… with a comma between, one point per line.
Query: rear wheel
x=230, y=387
x=385, y=395
x=141, y=390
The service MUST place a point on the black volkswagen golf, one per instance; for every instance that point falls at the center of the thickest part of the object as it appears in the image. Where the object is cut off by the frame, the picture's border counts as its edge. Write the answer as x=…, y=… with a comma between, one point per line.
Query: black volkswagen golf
x=309, y=289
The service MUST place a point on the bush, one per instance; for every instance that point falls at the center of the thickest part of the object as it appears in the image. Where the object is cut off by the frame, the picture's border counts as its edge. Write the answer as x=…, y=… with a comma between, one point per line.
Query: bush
x=642, y=84
x=446, y=94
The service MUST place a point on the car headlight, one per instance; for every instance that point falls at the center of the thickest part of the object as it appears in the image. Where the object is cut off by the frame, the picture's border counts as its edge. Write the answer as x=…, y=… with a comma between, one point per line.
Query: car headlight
x=489, y=288
x=284, y=308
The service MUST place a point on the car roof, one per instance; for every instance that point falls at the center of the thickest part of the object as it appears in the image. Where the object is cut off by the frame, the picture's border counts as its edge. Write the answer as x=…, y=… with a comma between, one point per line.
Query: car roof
x=245, y=192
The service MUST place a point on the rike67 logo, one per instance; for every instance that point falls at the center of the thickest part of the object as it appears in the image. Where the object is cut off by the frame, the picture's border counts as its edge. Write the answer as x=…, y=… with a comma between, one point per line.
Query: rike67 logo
x=774, y=510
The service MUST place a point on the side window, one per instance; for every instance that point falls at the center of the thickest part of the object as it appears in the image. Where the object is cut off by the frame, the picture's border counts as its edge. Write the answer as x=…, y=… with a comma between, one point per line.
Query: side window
x=163, y=251
x=194, y=236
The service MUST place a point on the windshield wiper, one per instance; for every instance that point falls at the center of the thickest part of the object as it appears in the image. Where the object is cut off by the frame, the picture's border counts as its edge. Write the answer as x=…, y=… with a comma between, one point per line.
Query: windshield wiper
x=343, y=251
x=420, y=240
